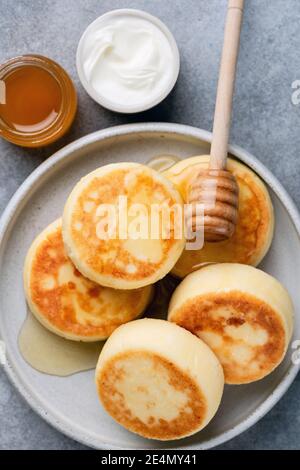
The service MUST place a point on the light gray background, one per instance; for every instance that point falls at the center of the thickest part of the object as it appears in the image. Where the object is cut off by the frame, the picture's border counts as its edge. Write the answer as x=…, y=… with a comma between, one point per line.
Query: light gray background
x=265, y=122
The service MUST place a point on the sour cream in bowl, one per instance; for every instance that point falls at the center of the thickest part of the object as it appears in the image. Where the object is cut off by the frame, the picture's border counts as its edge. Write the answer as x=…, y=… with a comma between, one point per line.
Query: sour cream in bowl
x=127, y=60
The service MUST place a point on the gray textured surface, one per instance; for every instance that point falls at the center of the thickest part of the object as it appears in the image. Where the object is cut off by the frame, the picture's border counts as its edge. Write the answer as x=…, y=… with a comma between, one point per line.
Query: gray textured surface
x=266, y=123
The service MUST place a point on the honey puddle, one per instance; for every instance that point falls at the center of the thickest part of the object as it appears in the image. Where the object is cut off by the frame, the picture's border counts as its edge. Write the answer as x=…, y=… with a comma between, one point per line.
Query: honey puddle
x=52, y=354
x=162, y=163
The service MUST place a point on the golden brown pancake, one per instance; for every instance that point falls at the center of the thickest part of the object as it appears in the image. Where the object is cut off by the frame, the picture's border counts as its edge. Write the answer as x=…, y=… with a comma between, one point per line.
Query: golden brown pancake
x=242, y=313
x=158, y=380
x=66, y=302
x=115, y=262
x=255, y=226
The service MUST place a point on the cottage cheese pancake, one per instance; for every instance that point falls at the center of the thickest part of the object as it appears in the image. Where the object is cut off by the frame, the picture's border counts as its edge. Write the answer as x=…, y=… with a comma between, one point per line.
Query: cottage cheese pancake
x=129, y=256
x=158, y=380
x=242, y=313
x=255, y=226
x=67, y=303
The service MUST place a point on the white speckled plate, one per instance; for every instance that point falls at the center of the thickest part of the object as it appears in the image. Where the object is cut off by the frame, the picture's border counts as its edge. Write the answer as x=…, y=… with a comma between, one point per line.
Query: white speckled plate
x=70, y=404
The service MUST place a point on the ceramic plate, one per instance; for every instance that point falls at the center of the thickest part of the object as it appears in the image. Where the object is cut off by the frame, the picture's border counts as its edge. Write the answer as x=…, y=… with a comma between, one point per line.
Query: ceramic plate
x=70, y=404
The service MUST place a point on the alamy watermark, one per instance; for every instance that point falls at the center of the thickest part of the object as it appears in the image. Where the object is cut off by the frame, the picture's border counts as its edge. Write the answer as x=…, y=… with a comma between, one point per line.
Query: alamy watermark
x=296, y=93
x=296, y=353
x=156, y=221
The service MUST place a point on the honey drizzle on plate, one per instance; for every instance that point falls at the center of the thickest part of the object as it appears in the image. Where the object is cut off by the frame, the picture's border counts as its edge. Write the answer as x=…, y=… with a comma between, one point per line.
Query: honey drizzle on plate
x=52, y=354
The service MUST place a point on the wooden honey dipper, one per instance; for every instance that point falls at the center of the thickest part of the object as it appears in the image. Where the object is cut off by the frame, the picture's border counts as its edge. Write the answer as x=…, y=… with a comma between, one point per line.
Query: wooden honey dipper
x=216, y=188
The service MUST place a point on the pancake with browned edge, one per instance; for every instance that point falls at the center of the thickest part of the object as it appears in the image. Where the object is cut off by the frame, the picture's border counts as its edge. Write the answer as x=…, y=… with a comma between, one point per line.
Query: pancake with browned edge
x=127, y=254
x=66, y=302
x=255, y=226
x=242, y=313
x=158, y=380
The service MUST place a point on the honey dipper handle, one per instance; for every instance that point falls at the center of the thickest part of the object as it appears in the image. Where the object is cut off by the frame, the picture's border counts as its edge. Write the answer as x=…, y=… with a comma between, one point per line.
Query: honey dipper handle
x=222, y=116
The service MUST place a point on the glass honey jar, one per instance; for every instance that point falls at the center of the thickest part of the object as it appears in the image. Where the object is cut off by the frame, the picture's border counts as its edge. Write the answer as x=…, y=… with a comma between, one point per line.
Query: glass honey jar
x=38, y=101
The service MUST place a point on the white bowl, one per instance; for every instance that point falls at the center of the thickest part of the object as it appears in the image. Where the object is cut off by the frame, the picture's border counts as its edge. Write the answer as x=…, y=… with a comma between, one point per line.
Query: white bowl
x=70, y=404
x=104, y=100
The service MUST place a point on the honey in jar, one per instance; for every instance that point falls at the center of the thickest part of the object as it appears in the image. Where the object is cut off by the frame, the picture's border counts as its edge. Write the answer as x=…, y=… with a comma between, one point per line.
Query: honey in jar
x=37, y=101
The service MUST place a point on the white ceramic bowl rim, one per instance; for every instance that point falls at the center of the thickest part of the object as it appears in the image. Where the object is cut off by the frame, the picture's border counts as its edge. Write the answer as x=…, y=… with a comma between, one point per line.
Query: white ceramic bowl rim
x=104, y=101
x=14, y=206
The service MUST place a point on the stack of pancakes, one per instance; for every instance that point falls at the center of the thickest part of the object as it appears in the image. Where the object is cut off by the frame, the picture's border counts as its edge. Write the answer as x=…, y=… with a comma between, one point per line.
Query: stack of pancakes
x=228, y=321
